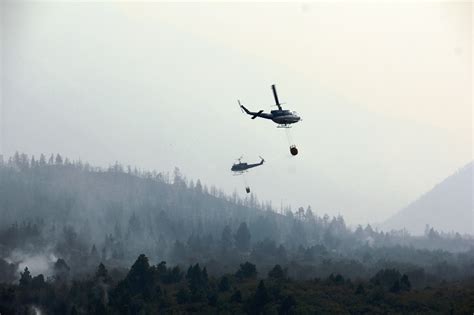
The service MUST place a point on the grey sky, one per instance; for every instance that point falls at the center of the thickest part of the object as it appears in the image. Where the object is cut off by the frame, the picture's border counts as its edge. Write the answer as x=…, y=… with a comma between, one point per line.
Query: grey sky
x=385, y=92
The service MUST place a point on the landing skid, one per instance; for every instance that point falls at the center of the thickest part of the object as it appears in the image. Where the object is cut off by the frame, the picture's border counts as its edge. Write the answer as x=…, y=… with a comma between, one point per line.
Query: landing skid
x=284, y=126
x=239, y=173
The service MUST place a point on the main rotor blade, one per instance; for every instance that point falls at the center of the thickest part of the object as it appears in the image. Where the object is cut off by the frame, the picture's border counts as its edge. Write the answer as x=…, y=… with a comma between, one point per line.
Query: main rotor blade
x=275, y=95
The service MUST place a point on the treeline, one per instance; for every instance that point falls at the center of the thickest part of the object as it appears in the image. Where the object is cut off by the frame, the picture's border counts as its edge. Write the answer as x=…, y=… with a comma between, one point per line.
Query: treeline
x=159, y=289
x=25, y=242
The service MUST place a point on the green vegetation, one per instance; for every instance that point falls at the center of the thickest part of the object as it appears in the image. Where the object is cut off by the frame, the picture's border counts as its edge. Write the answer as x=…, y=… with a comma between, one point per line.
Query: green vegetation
x=156, y=289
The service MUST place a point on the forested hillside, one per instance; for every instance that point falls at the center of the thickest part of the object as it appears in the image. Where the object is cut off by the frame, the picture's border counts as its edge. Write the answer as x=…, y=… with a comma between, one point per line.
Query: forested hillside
x=62, y=219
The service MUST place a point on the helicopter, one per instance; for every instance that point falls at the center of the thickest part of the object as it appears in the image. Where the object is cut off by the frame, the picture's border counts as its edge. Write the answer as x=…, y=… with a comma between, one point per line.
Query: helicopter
x=283, y=117
x=242, y=167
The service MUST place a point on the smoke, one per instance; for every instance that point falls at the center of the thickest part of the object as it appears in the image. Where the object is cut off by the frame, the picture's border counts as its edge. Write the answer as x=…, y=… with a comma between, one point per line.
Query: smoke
x=104, y=292
x=36, y=310
x=37, y=263
x=370, y=241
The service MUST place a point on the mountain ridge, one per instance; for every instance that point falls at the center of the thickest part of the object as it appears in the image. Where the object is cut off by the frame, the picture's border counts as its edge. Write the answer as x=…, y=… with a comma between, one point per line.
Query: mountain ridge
x=448, y=206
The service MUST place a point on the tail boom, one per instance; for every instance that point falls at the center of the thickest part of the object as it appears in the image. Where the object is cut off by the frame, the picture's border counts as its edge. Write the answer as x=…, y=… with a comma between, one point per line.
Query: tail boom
x=254, y=115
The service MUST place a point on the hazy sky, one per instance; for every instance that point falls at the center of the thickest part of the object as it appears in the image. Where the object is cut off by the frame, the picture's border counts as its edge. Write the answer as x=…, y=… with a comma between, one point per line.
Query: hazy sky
x=384, y=89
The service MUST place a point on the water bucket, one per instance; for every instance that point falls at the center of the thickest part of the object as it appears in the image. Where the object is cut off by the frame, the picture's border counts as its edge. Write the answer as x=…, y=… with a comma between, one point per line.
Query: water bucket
x=293, y=150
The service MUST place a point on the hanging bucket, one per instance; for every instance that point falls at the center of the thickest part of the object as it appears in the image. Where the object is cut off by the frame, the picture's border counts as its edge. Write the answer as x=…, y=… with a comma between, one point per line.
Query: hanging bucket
x=247, y=189
x=293, y=150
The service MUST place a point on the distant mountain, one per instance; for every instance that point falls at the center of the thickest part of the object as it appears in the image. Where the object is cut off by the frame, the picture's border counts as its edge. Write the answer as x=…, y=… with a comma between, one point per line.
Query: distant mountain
x=446, y=207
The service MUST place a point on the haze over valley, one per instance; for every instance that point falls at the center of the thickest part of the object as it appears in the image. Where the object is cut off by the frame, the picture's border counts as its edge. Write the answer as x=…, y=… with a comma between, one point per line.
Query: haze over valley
x=147, y=164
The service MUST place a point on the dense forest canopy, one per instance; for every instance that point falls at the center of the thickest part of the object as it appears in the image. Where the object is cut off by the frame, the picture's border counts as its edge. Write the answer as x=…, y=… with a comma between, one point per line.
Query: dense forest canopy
x=62, y=218
x=159, y=289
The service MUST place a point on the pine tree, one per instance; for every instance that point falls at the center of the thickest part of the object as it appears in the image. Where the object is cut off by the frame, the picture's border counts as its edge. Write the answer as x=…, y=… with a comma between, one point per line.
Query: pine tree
x=242, y=237
x=246, y=270
x=277, y=273
x=42, y=161
x=405, y=284
x=236, y=297
x=61, y=270
x=260, y=298
x=102, y=273
x=94, y=256
x=33, y=161
x=198, y=186
x=224, y=284
x=287, y=305
x=59, y=159
x=25, y=277
x=226, y=238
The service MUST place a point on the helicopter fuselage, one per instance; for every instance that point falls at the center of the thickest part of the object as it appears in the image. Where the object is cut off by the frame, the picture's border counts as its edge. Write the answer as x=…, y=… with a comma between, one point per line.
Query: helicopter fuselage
x=239, y=167
x=284, y=117
x=242, y=167
x=279, y=116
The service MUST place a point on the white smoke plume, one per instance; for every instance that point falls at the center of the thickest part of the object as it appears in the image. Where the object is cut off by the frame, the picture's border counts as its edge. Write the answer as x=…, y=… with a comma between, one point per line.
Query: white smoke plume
x=37, y=263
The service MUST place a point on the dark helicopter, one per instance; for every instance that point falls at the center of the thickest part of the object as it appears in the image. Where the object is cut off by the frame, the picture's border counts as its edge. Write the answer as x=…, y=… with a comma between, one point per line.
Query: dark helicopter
x=282, y=117
x=242, y=167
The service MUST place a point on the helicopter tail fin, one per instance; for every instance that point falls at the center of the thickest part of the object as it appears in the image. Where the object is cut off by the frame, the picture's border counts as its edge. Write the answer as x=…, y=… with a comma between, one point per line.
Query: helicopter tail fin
x=243, y=108
x=255, y=115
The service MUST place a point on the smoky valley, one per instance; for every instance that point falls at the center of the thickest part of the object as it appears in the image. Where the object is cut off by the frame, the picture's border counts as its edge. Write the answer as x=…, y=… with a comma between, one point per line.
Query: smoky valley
x=78, y=239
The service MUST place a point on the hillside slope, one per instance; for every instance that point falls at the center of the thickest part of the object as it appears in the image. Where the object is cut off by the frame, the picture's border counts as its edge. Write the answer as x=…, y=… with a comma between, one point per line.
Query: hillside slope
x=447, y=207
x=86, y=215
